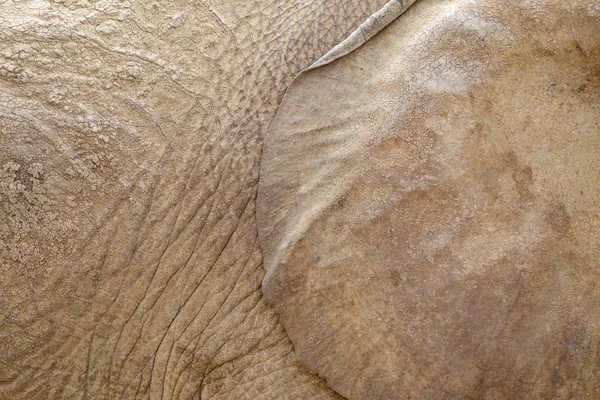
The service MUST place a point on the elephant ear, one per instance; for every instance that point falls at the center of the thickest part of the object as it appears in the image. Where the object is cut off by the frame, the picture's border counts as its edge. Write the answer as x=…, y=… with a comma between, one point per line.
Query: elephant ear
x=428, y=206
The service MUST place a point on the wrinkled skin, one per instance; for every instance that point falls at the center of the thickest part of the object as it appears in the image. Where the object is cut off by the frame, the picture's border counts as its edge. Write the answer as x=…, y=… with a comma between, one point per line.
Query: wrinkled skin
x=428, y=206
x=130, y=140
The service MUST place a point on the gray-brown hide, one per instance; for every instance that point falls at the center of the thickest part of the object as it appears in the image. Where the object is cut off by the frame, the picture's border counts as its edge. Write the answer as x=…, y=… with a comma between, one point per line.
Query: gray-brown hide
x=429, y=206
x=130, y=140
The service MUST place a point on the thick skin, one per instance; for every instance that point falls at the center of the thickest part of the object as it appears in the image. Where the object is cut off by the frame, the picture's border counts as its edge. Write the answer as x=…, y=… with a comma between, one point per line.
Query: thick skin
x=429, y=206
x=130, y=140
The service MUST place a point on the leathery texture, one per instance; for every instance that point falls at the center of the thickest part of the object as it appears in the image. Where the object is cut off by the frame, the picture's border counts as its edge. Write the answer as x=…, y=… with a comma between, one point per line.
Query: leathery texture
x=130, y=139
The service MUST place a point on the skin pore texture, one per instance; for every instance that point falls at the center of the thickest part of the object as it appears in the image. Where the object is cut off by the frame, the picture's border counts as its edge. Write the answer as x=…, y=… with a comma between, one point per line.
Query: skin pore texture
x=428, y=206
x=130, y=145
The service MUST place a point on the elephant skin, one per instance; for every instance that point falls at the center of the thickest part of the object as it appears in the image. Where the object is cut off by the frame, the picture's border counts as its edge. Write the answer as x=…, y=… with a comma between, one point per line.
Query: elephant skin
x=429, y=206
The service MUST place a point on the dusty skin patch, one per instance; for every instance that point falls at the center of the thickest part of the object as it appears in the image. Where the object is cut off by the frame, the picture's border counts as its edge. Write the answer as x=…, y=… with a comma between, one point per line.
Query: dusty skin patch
x=429, y=206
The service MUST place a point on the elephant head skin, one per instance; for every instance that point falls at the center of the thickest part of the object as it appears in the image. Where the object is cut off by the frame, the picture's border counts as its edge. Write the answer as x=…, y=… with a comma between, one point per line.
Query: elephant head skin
x=130, y=140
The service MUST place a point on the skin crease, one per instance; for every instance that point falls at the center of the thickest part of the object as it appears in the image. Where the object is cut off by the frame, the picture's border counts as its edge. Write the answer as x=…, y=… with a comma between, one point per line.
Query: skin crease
x=130, y=139
x=434, y=195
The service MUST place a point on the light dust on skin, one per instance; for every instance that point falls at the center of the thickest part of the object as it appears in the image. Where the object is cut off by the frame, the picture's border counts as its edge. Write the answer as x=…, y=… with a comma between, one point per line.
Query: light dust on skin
x=68, y=144
x=463, y=253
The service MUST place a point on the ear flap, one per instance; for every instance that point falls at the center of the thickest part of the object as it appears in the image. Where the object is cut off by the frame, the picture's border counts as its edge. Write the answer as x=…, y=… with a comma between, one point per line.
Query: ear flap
x=428, y=202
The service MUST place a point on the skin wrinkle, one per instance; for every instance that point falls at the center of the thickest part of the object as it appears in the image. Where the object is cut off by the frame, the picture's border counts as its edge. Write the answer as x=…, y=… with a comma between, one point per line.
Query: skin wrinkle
x=195, y=246
x=209, y=323
x=119, y=291
x=214, y=315
x=185, y=302
x=207, y=371
x=166, y=249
